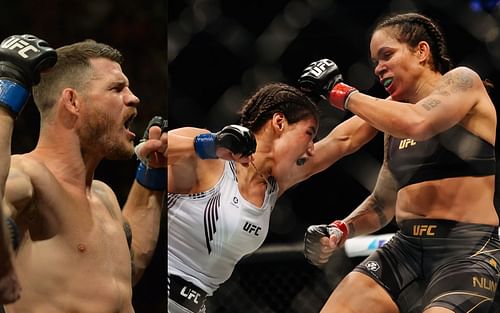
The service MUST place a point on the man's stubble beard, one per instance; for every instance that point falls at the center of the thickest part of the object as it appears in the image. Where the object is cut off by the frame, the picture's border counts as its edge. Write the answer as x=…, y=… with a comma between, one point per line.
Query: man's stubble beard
x=98, y=135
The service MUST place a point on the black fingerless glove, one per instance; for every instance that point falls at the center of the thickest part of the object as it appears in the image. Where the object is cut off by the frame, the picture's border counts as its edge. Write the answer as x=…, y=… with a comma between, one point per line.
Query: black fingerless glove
x=311, y=242
x=312, y=246
x=236, y=138
x=319, y=77
x=322, y=78
x=22, y=58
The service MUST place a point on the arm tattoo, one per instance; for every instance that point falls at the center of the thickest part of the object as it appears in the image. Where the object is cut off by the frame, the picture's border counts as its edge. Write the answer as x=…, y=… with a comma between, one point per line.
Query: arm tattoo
x=366, y=209
x=128, y=233
x=430, y=104
x=385, y=189
x=352, y=229
x=380, y=214
x=450, y=83
x=133, y=267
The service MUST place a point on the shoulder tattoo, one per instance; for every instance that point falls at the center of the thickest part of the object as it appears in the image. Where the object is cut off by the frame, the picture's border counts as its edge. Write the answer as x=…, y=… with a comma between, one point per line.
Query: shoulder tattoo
x=457, y=81
x=461, y=81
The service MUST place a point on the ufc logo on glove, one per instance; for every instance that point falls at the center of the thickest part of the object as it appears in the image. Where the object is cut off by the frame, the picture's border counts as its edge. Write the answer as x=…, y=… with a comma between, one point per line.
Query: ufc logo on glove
x=22, y=46
x=319, y=67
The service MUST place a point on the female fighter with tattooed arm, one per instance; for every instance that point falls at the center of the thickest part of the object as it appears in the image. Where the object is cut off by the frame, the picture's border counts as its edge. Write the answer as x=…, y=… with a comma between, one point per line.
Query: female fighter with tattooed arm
x=223, y=186
x=437, y=179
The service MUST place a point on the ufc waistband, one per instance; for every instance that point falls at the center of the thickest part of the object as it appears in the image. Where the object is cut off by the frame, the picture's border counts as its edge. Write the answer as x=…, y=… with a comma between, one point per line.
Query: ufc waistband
x=186, y=294
x=436, y=228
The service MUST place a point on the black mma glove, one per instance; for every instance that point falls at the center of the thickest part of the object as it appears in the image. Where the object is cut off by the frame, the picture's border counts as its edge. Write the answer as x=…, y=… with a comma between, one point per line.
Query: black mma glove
x=323, y=78
x=155, y=121
x=235, y=138
x=313, y=248
x=22, y=58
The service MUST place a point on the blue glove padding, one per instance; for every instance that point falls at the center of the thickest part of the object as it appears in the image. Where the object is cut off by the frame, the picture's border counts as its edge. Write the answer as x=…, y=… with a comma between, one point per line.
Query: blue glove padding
x=151, y=178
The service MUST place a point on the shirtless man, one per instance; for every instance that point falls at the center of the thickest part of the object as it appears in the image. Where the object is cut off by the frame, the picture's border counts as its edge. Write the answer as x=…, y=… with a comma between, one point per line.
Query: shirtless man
x=74, y=251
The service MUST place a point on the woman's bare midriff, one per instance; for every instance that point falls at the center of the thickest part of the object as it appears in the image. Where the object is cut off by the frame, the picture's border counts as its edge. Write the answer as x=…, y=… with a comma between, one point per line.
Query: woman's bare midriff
x=463, y=199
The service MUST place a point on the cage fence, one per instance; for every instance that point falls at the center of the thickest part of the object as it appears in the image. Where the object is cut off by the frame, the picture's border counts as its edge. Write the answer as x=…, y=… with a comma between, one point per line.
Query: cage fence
x=278, y=279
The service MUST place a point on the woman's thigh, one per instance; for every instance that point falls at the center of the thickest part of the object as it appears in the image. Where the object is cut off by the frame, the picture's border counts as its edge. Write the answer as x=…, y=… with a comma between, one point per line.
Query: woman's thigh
x=359, y=293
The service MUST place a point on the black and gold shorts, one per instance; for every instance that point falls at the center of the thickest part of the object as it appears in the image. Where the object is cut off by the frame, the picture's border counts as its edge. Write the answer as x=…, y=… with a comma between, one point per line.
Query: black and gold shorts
x=440, y=263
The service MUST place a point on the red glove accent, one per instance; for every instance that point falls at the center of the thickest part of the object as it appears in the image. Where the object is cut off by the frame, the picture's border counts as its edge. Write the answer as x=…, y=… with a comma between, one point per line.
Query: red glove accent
x=343, y=228
x=339, y=95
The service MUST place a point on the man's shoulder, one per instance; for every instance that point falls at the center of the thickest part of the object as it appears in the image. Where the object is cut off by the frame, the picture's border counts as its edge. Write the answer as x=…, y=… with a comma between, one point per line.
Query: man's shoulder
x=29, y=165
x=106, y=195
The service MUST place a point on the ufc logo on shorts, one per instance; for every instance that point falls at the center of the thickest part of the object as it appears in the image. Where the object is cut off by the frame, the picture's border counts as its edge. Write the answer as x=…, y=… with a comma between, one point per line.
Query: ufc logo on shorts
x=320, y=66
x=190, y=294
x=427, y=230
x=403, y=144
x=20, y=45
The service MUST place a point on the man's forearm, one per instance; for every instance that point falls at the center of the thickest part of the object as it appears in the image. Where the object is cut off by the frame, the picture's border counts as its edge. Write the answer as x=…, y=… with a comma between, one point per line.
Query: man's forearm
x=7, y=123
x=143, y=211
x=6, y=130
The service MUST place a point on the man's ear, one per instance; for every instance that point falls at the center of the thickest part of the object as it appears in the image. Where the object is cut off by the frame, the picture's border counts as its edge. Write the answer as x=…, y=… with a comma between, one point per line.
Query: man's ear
x=69, y=101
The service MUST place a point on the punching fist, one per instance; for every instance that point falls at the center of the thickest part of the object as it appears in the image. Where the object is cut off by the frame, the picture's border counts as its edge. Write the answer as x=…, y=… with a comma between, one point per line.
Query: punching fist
x=155, y=121
x=321, y=240
x=152, y=153
x=319, y=77
x=22, y=58
x=236, y=139
x=323, y=78
x=152, y=148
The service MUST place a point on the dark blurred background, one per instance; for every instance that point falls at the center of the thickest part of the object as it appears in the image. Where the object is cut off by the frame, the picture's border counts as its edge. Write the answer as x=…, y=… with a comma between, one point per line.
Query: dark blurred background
x=138, y=30
x=221, y=51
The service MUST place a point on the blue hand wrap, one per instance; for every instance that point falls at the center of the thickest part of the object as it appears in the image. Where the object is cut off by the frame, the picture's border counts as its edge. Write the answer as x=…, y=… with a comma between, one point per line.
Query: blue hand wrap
x=204, y=146
x=13, y=96
x=151, y=178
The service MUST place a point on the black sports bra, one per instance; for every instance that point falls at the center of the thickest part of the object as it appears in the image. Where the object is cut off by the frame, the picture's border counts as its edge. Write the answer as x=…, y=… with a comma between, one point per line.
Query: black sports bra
x=453, y=153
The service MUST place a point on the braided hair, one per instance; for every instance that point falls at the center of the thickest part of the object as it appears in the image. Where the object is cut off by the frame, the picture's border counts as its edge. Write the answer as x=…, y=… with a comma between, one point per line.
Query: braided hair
x=277, y=98
x=411, y=28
